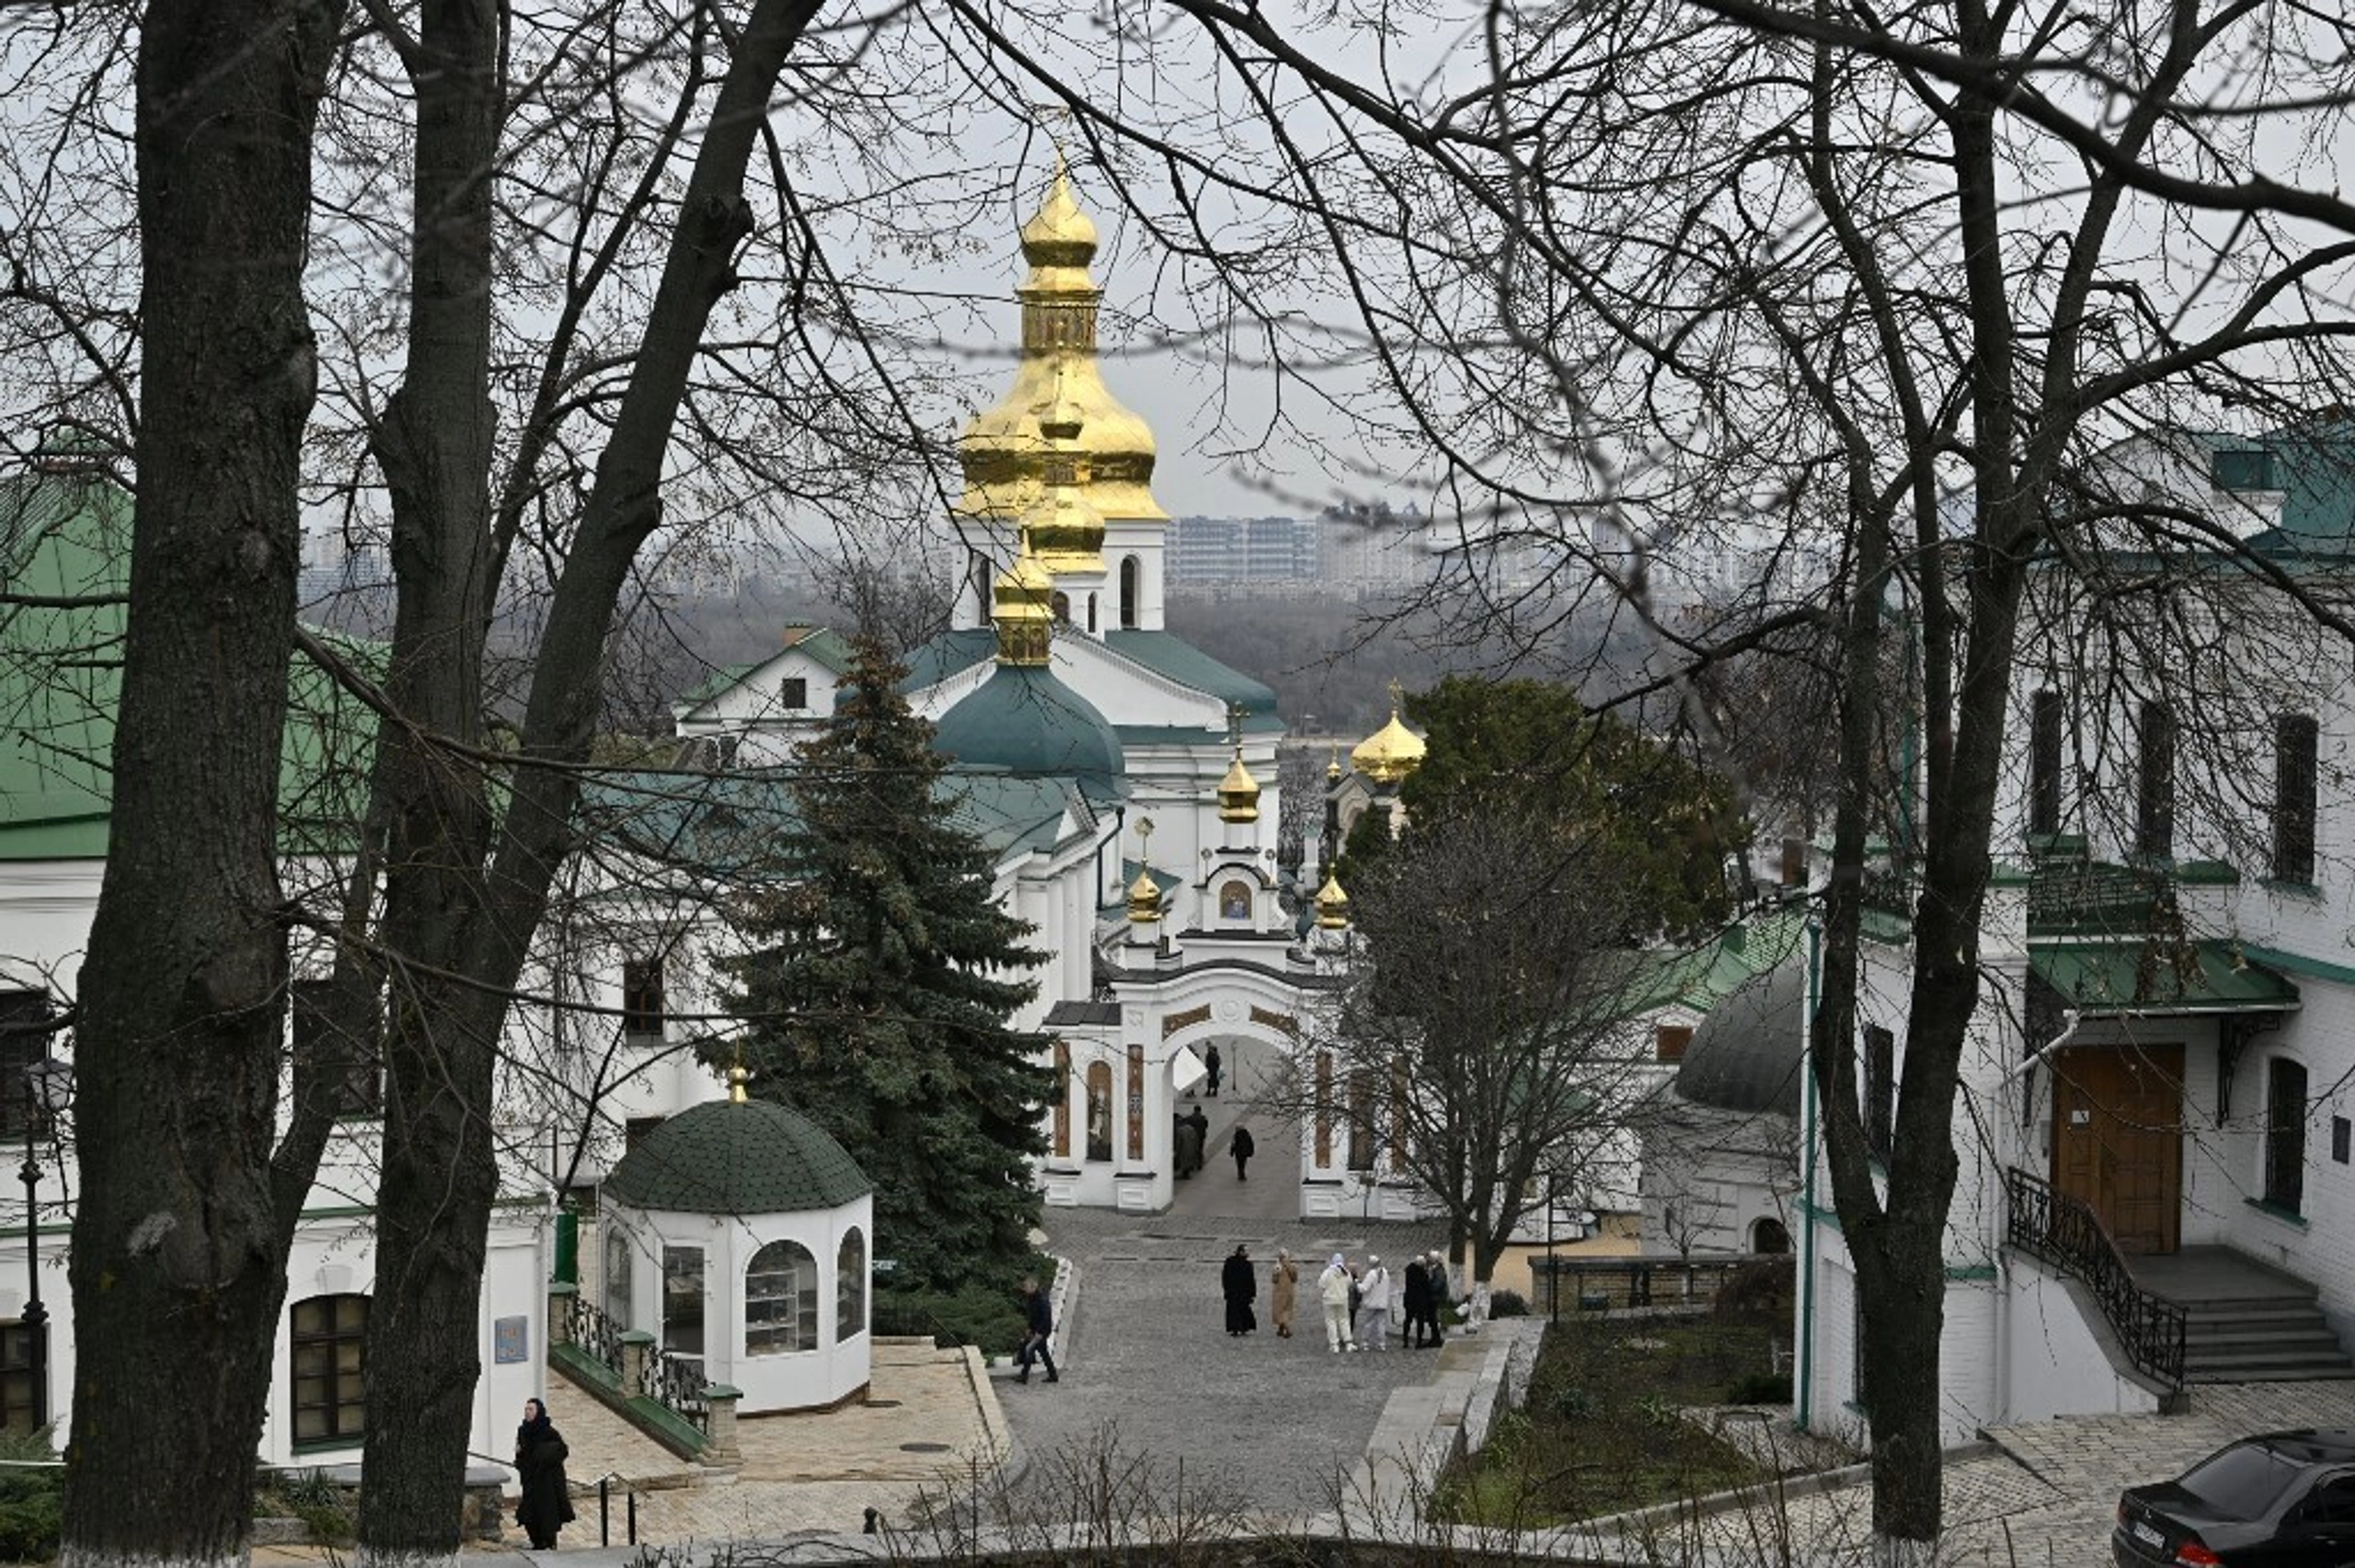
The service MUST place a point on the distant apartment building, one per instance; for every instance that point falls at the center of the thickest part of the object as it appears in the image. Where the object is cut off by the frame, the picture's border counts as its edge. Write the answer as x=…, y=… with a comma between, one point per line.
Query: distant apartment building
x=1205, y=552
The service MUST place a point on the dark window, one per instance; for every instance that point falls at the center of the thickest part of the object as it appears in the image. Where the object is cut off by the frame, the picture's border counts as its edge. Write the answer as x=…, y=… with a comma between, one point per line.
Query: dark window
x=25, y=1018
x=2294, y=745
x=793, y=692
x=2285, y=1135
x=2244, y=1481
x=330, y=1363
x=1062, y=603
x=1770, y=1237
x=1671, y=1041
x=17, y=1400
x=2332, y=1502
x=2044, y=763
x=642, y=998
x=344, y=1069
x=2245, y=468
x=850, y=1287
x=2154, y=793
x=1091, y=612
x=1881, y=1090
x=683, y=1300
x=2339, y=1128
x=636, y=1131
x=1794, y=863
x=1129, y=574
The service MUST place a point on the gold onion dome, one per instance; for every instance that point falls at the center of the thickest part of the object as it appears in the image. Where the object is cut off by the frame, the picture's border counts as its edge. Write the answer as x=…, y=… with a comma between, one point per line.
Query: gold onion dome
x=1144, y=898
x=1332, y=905
x=1238, y=793
x=1390, y=753
x=1024, y=611
x=1010, y=452
x=1064, y=530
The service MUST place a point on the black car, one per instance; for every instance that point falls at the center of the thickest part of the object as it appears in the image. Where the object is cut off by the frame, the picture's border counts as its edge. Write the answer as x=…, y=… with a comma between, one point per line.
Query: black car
x=2286, y=1500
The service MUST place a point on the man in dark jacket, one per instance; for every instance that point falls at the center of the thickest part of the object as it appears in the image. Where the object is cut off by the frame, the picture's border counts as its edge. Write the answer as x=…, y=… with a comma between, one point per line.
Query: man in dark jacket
x=1244, y=1149
x=1417, y=1303
x=1041, y=1317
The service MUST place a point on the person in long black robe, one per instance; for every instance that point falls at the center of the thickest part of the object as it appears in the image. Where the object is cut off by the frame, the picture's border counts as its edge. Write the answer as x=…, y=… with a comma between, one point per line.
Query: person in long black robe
x=1240, y=1282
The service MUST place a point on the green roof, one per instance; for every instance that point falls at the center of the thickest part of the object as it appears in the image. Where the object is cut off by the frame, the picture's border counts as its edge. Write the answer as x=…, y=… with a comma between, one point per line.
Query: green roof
x=727, y=1158
x=829, y=648
x=1169, y=655
x=945, y=654
x=1024, y=720
x=2106, y=979
x=66, y=537
x=1699, y=977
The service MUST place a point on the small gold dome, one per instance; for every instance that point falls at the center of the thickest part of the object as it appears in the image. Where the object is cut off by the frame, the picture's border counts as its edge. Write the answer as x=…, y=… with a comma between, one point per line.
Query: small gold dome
x=1059, y=234
x=1238, y=793
x=1332, y=905
x=1390, y=753
x=1024, y=611
x=1144, y=898
x=1333, y=767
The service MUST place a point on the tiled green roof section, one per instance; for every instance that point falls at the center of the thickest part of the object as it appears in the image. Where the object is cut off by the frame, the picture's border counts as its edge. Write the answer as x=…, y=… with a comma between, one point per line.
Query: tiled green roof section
x=828, y=648
x=945, y=654
x=724, y=1158
x=68, y=538
x=1701, y=977
x=1167, y=654
x=721, y=680
x=2157, y=975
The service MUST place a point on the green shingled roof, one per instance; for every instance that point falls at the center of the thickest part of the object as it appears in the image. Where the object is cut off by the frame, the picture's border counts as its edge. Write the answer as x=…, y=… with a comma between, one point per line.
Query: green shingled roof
x=726, y=1158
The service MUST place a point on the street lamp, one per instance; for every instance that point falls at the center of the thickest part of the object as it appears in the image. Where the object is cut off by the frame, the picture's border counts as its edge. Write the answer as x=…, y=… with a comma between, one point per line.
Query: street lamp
x=46, y=1083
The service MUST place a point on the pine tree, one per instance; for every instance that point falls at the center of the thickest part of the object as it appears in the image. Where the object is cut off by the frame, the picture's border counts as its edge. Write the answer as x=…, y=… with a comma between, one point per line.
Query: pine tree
x=875, y=992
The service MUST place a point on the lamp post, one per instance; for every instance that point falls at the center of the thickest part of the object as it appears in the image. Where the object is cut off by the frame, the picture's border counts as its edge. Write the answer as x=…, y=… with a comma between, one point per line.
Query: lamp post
x=45, y=1083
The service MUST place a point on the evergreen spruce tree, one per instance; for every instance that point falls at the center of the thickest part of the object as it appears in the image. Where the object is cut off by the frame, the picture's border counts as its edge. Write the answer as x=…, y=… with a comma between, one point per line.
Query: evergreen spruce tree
x=876, y=995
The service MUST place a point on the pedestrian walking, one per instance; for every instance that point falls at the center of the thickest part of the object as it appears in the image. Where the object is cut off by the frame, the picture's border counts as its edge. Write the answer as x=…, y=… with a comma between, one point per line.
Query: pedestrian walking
x=1283, y=1280
x=1211, y=1062
x=1436, y=1312
x=1415, y=1301
x=545, y=1505
x=1242, y=1149
x=1334, y=1288
x=1240, y=1283
x=1374, y=1291
x=1188, y=1147
x=1039, y=1314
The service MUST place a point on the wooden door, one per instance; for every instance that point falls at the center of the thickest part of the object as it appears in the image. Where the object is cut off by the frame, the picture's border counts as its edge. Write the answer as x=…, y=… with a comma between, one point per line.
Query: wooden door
x=2118, y=1140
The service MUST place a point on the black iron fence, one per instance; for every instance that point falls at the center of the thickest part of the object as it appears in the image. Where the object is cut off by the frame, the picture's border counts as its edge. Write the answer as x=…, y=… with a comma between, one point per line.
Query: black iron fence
x=595, y=1334
x=2066, y=1233
x=677, y=1382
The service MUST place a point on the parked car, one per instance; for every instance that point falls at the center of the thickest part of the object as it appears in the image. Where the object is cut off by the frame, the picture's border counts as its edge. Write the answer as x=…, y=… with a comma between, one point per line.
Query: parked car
x=2285, y=1500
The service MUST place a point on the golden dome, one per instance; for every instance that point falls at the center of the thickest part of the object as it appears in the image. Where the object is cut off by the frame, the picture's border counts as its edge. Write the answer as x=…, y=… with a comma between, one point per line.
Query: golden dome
x=1065, y=530
x=1390, y=753
x=1332, y=905
x=1333, y=767
x=1024, y=611
x=1144, y=898
x=1238, y=793
x=1010, y=451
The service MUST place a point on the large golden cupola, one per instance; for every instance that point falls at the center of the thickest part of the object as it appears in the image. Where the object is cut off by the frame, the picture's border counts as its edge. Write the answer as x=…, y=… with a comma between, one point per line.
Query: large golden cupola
x=1058, y=421
x=1390, y=753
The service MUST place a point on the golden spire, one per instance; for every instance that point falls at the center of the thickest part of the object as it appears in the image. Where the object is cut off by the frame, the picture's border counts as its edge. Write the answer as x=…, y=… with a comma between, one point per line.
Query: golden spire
x=1391, y=753
x=1332, y=905
x=1333, y=768
x=1024, y=611
x=1238, y=793
x=738, y=1076
x=1145, y=894
x=1010, y=451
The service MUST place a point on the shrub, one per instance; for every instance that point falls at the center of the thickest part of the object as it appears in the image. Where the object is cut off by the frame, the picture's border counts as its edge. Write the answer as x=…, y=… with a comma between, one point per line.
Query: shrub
x=32, y=1501
x=1758, y=1290
x=1507, y=1304
x=1761, y=1388
x=986, y=1312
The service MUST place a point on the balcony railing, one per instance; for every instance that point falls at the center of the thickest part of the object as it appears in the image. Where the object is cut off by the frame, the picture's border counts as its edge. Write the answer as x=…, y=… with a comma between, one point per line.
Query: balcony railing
x=2067, y=1234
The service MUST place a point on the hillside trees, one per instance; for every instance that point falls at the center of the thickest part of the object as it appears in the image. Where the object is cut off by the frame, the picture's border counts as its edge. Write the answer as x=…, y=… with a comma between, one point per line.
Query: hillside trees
x=875, y=997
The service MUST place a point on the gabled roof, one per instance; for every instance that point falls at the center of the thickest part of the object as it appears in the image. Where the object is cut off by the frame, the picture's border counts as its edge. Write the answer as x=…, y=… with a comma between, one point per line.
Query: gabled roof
x=822, y=645
x=1165, y=654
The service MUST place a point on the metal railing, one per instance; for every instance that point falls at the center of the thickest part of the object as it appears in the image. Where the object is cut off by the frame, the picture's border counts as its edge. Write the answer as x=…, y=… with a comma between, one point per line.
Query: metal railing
x=676, y=1382
x=2066, y=1233
x=597, y=1335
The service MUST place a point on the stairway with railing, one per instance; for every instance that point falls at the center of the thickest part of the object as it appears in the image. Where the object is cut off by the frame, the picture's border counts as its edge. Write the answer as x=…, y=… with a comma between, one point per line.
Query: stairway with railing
x=2066, y=1233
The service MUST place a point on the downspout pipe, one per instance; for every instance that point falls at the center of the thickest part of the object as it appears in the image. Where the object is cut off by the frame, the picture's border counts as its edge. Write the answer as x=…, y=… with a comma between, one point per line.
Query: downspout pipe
x=2015, y=1131
x=1805, y=1389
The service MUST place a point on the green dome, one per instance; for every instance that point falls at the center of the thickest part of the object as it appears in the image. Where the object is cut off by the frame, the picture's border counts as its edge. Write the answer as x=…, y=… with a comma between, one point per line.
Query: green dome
x=1024, y=720
x=1750, y=1051
x=731, y=1158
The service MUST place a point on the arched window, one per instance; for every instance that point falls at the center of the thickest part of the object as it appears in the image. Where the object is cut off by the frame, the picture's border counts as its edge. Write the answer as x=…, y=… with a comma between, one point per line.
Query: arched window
x=978, y=574
x=1062, y=603
x=1235, y=901
x=1099, y=1110
x=781, y=1300
x=850, y=1287
x=1091, y=612
x=330, y=1359
x=1129, y=572
x=1769, y=1236
x=617, y=1273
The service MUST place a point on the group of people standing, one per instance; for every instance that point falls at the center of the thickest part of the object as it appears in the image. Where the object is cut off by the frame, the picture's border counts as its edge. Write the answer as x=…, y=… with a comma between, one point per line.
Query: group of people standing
x=1358, y=1301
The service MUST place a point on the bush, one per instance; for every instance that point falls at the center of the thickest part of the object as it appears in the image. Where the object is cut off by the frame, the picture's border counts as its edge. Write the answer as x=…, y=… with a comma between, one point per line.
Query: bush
x=986, y=1312
x=32, y=1501
x=1761, y=1388
x=1759, y=1290
x=1507, y=1304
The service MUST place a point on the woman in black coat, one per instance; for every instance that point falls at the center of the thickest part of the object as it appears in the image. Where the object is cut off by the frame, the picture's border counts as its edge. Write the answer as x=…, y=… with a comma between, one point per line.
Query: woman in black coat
x=1240, y=1281
x=546, y=1506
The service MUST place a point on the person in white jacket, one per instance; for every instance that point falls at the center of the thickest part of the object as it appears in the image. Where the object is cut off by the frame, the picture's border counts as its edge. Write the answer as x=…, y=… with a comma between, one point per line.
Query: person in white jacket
x=1332, y=1290
x=1373, y=1305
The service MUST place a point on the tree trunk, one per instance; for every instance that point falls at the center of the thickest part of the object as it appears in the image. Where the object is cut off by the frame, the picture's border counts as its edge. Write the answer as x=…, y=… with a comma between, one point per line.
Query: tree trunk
x=179, y=1266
